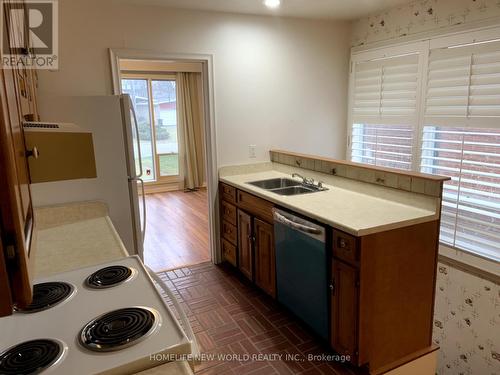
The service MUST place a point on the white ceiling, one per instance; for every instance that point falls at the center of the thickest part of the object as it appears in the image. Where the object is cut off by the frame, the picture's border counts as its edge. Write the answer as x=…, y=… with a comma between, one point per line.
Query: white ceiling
x=327, y=9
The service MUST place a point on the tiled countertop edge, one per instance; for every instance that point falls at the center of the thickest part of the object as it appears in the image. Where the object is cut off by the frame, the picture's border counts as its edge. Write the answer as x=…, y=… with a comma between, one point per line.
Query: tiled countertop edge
x=410, y=181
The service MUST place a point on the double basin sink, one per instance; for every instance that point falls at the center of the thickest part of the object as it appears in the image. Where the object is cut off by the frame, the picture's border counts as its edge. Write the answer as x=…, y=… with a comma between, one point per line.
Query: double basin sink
x=287, y=186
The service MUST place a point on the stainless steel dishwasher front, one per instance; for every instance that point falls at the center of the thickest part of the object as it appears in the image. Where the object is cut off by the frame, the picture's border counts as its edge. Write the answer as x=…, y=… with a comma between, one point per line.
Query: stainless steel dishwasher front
x=301, y=269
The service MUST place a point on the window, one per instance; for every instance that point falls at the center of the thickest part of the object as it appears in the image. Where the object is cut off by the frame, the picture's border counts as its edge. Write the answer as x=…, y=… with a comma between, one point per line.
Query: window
x=381, y=145
x=471, y=200
x=139, y=93
x=453, y=130
x=165, y=114
x=155, y=103
x=384, y=110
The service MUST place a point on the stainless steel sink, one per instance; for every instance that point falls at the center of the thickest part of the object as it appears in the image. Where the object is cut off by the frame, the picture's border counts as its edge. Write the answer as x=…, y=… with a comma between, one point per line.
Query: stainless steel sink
x=275, y=183
x=295, y=190
x=286, y=186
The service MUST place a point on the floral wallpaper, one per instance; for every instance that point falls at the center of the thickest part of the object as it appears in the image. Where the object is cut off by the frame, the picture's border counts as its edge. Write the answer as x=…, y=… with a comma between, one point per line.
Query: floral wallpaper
x=422, y=15
x=466, y=323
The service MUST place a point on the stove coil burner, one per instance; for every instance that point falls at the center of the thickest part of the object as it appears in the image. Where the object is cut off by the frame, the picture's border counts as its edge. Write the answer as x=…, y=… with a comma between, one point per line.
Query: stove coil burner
x=119, y=329
x=30, y=357
x=47, y=295
x=109, y=276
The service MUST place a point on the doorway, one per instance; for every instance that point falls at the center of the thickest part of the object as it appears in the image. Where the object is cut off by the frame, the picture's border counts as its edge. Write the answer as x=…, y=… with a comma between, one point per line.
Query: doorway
x=168, y=97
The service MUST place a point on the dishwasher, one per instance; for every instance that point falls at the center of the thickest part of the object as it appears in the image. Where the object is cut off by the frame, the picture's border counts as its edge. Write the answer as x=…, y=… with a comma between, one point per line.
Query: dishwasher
x=301, y=269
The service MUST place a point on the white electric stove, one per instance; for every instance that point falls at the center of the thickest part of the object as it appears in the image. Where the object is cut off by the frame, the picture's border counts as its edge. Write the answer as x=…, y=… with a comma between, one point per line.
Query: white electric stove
x=104, y=319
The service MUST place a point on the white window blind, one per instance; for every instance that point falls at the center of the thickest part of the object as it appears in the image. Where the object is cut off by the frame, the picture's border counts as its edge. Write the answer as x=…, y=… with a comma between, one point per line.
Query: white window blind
x=441, y=117
x=385, y=91
x=471, y=200
x=463, y=86
x=383, y=145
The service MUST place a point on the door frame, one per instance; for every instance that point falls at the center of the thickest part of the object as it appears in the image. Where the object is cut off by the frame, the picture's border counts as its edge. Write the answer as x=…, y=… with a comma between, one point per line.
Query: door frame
x=211, y=160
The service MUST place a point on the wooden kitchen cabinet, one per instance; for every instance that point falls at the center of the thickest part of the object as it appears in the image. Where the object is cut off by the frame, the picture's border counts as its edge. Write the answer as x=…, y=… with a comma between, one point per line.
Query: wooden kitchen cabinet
x=344, y=309
x=265, y=259
x=245, y=244
x=252, y=218
x=382, y=284
x=383, y=293
x=17, y=104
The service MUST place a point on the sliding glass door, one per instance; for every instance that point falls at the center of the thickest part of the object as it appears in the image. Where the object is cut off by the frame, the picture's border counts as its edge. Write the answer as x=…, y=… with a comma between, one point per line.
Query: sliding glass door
x=165, y=120
x=155, y=101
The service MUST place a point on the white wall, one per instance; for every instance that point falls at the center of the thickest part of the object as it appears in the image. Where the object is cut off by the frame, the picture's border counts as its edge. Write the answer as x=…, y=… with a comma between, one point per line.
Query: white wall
x=278, y=82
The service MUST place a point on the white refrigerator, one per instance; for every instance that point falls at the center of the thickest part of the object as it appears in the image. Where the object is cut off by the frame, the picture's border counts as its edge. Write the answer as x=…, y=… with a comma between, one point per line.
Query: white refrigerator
x=112, y=121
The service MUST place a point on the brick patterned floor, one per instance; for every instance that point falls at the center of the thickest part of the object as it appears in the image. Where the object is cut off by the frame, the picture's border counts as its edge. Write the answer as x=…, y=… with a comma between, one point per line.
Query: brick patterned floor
x=232, y=317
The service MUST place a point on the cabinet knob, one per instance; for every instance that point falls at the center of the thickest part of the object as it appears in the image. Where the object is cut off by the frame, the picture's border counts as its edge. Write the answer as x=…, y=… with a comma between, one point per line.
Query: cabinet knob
x=342, y=243
x=332, y=287
x=33, y=152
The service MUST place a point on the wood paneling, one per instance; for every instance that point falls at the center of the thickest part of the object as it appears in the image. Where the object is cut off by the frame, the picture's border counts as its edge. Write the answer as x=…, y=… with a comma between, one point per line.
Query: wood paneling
x=256, y=206
x=344, y=308
x=245, y=244
x=398, y=279
x=265, y=260
x=177, y=229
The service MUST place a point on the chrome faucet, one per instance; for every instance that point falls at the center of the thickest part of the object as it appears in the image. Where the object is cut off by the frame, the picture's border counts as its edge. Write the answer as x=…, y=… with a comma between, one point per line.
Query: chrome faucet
x=305, y=180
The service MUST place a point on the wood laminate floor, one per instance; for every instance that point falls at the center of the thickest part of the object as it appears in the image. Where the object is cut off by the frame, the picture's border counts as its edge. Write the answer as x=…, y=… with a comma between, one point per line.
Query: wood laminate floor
x=177, y=230
x=234, y=322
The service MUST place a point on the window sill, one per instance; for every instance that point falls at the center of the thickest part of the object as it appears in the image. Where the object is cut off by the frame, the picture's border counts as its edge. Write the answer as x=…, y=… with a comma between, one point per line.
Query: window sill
x=470, y=263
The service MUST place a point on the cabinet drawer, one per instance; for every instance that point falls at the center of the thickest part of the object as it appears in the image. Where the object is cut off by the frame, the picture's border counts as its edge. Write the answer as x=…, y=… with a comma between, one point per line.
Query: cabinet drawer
x=228, y=193
x=259, y=207
x=229, y=212
x=344, y=247
x=229, y=252
x=229, y=232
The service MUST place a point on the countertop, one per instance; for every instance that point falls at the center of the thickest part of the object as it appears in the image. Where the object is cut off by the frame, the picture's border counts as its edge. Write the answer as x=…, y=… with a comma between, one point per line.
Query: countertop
x=355, y=207
x=74, y=236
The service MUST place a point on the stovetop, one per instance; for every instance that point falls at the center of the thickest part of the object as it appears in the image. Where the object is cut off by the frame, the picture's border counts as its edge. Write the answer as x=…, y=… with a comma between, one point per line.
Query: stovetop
x=110, y=321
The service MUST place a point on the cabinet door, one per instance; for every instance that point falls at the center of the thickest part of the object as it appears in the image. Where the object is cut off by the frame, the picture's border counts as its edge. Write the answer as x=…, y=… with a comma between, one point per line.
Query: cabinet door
x=245, y=241
x=344, y=307
x=16, y=219
x=265, y=261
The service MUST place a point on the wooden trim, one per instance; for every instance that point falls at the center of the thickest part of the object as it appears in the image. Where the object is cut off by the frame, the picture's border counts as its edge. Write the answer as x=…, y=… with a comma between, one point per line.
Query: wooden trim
x=467, y=268
x=148, y=76
x=423, y=176
x=161, y=187
x=159, y=66
x=404, y=360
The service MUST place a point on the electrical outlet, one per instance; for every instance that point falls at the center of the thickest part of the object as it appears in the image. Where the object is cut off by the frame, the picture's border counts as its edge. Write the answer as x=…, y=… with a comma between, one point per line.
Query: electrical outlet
x=251, y=151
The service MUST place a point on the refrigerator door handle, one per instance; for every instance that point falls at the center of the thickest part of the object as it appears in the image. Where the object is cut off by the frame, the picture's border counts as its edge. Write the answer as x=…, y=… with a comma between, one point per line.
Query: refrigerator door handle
x=143, y=229
x=136, y=126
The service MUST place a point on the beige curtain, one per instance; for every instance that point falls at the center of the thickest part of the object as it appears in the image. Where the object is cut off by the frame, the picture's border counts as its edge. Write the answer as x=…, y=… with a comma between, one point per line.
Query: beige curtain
x=190, y=118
